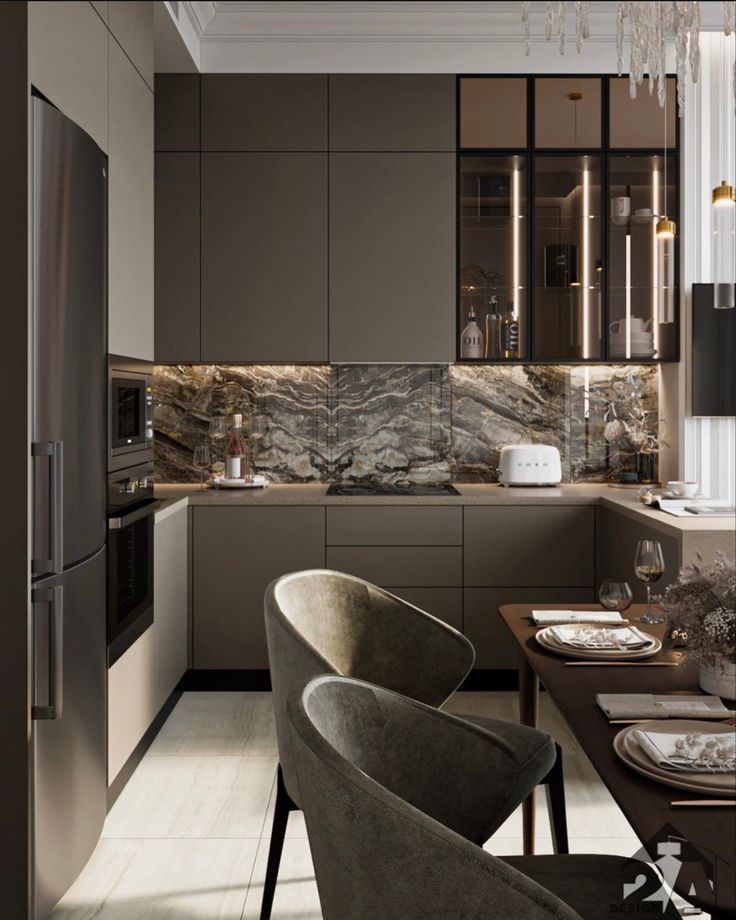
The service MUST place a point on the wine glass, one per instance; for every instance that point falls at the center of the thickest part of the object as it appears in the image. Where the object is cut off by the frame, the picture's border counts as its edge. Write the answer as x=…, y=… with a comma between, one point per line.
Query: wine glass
x=218, y=427
x=649, y=567
x=615, y=594
x=218, y=432
x=201, y=460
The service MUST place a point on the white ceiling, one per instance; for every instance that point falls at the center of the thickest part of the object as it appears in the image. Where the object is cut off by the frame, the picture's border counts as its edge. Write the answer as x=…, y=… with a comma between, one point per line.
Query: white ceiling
x=341, y=37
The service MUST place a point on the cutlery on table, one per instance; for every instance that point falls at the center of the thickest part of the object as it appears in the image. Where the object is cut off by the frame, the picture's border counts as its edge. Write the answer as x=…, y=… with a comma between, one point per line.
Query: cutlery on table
x=706, y=803
x=622, y=664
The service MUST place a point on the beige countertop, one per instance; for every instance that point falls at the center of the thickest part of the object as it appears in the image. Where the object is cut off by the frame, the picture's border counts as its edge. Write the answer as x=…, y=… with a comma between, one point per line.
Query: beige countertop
x=623, y=501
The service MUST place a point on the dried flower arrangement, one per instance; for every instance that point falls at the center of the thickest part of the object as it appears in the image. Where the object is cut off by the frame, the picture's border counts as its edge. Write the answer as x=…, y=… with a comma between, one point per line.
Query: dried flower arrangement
x=702, y=604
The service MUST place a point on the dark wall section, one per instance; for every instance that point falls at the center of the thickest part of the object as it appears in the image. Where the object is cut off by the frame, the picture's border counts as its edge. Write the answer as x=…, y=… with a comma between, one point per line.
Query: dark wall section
x=14, y=708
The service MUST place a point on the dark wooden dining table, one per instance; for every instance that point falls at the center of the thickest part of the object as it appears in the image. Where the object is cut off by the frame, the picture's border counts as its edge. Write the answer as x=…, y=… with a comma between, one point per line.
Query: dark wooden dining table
x=706, y=834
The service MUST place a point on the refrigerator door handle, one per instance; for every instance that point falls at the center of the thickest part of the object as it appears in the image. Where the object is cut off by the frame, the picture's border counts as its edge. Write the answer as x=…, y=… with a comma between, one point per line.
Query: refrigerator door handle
x=54, y=450
x=54, y=597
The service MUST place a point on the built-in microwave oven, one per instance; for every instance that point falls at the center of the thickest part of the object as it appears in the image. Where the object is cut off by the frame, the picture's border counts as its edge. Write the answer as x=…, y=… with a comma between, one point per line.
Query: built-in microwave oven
x=130, y=412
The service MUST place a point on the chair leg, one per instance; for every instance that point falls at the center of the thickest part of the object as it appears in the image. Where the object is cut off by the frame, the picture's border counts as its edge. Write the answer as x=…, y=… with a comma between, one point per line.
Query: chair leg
x=284, y=805
x=555, y=788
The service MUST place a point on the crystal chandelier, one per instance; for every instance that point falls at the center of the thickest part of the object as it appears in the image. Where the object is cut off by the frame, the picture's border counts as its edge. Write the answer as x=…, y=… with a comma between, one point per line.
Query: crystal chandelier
x=648, y=27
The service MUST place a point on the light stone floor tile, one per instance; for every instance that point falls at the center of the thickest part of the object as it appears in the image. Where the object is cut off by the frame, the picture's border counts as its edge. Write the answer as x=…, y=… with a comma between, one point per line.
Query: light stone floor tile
x=505, y=705
x=202, y=796
x=206, y=791
x=296, y=895
x=162, y=880
x=219, y=723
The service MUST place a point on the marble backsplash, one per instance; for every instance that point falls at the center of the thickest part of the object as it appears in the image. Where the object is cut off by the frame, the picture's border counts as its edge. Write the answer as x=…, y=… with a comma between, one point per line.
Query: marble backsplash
x=390, y=422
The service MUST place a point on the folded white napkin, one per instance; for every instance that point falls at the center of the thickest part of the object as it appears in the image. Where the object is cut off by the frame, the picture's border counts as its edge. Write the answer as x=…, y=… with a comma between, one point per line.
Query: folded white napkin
x=626, y=637
x=693, y=753
x=558, y=617
x=661, y=706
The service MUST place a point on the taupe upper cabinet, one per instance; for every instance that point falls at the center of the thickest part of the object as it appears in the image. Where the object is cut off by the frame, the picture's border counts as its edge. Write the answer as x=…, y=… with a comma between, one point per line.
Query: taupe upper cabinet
x=177, y=111
x=392, y=112
x=264, y=257
x=131, y=22
x=266, y=112
x=176, y=258
x=392, y=257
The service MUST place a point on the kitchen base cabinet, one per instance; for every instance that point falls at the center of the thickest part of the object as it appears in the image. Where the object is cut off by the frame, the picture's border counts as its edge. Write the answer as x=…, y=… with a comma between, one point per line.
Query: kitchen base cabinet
x=170, y=604
x=402, y=566
x=444, y=603
x=539, y=546
x=618, y=536
x=495, y=647
x=131, y=701
x=237, y=552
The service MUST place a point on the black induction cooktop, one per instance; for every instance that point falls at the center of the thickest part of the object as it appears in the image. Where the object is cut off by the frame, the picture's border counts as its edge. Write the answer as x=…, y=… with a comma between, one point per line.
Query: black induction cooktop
x=392, y=488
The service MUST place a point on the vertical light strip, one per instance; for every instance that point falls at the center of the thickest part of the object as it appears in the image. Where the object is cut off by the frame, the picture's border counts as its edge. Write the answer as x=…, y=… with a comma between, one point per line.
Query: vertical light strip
x=654, y=255
x=628, y=295
x=586, y=254
x=516, y=242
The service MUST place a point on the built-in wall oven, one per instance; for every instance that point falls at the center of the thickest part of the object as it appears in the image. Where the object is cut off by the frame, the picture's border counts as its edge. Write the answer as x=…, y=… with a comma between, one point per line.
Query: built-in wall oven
x=130, y=412
x=131, y=511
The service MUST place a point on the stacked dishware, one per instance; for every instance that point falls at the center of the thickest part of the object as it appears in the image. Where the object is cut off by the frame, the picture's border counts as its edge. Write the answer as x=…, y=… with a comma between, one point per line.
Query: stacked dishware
x=641, y=338
x=683, y=753
x=593, y=642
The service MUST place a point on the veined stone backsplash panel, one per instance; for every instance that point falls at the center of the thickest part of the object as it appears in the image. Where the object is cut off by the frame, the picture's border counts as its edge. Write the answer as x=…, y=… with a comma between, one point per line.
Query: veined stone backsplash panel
x=392, y=422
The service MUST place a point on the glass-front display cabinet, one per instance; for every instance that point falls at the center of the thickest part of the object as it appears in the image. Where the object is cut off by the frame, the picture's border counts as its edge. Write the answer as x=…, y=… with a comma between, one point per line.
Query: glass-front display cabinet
x=568, y=293
x=493, y=247
x=642, y=289
x=563, y=251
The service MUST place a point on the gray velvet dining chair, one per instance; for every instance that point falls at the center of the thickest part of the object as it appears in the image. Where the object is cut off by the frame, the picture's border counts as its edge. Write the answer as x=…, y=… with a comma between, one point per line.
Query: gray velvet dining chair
x=390, y=789
x=326, y=622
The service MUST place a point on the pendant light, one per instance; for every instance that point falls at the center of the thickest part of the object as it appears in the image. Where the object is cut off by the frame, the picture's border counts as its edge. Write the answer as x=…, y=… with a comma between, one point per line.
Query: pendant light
x=665, y=235
x=724, y=246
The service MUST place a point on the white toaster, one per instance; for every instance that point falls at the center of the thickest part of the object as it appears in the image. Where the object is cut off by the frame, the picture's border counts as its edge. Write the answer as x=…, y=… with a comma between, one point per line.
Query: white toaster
x=529, y=465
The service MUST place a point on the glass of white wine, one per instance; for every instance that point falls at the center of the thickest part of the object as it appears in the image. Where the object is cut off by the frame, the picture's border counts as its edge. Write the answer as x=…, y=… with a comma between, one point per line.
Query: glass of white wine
x=201, y=459
x=649, y=567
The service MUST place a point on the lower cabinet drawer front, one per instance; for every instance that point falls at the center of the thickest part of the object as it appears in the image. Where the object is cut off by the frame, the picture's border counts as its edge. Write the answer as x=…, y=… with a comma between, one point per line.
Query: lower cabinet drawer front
x=404, y=526
x=536, y=545
x=131, y=701
x=494, y=645
x=444, y=603
x=401, y=566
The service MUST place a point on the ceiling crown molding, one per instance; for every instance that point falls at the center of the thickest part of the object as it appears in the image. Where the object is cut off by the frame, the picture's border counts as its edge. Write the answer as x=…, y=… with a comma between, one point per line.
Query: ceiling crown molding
x=450, y=37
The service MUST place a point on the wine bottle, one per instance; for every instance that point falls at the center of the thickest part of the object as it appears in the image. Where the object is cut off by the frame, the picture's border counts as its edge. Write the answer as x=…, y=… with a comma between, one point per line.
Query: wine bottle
x=237, y=455
x=510, y=335
x=471, y=344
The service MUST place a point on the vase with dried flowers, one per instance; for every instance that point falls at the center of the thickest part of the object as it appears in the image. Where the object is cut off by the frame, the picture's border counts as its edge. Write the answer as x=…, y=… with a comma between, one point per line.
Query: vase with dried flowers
x=632, y=432
x=701, y=605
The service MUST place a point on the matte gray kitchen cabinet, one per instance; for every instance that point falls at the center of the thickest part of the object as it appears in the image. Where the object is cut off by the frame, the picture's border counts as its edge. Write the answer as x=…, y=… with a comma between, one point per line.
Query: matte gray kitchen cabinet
x=494, y=645
x=131, y=22
x=177, y=111
x=176, y=258
x=170, y=603
x=618, y=536
x=267, y=112
x=130, y=218
x=237, y=552
x=407, y=112
x=264, y=257
x=444, y=603
x=401, y=566
x=397, y=526
x=392, y=257
x=535, y=546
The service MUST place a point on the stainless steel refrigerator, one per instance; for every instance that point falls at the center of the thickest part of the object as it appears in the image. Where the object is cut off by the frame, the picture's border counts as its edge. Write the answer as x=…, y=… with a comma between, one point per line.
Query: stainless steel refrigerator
x=68, y=591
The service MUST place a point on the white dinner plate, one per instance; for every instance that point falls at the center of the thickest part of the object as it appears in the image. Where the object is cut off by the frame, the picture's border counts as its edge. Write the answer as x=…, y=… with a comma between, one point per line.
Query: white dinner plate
x=545, y=638
x=712, y=784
